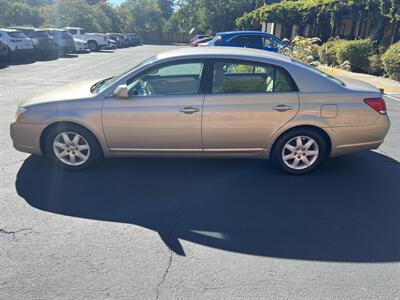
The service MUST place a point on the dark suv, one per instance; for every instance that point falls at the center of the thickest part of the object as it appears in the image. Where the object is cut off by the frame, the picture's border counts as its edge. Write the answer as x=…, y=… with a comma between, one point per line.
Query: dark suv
x=43, y=43
x=134, y=39
x=63, y=40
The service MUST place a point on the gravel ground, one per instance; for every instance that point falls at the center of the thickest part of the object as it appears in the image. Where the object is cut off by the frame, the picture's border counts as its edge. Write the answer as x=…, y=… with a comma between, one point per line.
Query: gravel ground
x=187, y=228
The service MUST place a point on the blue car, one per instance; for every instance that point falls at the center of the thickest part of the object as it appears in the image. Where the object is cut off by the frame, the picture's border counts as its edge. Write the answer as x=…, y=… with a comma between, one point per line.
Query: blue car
x=248, y=39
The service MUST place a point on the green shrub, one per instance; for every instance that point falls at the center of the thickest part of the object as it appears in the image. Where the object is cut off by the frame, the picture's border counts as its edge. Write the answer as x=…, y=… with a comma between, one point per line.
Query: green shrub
x=327, y=52
x=391, y=61
x=357, y=53
x=375, y=65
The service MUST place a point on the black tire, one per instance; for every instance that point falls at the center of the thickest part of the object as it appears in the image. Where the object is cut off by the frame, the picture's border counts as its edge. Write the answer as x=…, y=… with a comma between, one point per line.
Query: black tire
x=92, y=45
x=277, y=151
x=95, y=153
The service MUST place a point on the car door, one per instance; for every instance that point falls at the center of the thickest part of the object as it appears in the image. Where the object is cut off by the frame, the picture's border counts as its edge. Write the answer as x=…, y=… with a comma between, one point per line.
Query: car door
x=246, y=104
x=162, y=113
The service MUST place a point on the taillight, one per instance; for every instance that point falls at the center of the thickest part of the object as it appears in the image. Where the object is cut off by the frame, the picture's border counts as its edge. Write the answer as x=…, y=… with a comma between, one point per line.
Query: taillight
x=378, y=104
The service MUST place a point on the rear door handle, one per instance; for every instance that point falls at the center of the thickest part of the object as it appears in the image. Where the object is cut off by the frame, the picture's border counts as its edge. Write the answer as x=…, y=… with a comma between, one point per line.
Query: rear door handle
x=189, y=110
x=282, y=107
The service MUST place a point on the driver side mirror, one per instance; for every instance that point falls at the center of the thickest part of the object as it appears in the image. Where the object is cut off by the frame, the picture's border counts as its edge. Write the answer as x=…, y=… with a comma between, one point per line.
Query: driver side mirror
x=121, y=91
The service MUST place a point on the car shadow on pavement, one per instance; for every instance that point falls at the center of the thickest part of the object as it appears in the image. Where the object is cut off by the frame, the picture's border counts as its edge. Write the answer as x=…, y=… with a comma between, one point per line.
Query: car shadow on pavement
x=3, y=65
x=347, y=211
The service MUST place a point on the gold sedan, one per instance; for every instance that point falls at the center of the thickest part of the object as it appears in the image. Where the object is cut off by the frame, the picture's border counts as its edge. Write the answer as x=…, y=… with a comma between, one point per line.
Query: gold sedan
x=225, y=102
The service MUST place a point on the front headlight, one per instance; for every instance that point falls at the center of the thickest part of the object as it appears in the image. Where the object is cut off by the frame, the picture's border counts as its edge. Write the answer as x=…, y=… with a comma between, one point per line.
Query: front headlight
x=20, y=113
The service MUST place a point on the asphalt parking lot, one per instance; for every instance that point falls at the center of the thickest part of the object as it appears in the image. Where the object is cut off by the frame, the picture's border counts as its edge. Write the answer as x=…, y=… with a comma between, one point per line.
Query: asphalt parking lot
x=186, y=228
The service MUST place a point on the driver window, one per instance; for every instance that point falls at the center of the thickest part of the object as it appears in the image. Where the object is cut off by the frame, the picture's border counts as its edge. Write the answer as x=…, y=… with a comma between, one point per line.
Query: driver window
x=178, y=79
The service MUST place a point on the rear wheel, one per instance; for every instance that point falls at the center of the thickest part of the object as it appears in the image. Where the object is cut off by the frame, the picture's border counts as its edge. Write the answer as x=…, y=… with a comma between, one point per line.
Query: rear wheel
x=300, y=151
x=73, y=147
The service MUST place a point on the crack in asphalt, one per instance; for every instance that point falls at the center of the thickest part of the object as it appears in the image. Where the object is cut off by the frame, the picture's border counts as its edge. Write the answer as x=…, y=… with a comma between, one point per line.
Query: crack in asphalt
x=171, y=256
x=13, y=233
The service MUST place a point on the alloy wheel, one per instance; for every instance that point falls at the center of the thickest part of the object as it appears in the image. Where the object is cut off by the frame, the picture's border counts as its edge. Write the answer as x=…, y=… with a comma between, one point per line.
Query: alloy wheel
x=71, y=148
x=300, y=152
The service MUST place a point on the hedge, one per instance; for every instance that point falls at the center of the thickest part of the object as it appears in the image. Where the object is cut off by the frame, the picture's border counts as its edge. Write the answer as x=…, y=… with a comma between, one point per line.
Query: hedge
x=391, y=61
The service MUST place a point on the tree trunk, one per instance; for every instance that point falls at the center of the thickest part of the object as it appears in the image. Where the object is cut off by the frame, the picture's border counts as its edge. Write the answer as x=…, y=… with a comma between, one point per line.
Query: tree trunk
x=358, y=26
x=394, y=32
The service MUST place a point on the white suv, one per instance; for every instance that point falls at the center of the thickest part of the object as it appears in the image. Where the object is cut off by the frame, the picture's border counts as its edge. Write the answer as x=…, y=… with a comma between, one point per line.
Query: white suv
x=95, y=41
x=16, y=42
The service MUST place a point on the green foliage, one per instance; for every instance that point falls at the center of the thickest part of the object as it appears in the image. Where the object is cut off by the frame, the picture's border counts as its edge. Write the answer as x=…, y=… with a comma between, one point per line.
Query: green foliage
x=75, y=13
x=328, y=52
x=92, y=15
x=140, y=15
x=375, y=65
x=209, y=15
x=167, y=8
x=303, y=49
x=357, y=53
x=19, y=13
x=391, y=61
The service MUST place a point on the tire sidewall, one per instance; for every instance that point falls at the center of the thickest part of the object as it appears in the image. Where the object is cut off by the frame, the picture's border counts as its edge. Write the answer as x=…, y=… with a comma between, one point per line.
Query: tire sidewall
x=92, y=46
x=95, y=153
x=281, y=142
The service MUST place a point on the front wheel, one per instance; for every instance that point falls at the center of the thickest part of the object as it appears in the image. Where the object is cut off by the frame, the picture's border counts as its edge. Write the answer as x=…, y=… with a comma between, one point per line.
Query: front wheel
x=73, y=147
x=300, y=151
x=92, y=45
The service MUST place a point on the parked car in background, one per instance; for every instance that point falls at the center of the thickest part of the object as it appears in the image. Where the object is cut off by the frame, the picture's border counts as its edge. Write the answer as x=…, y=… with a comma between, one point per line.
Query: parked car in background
x=95, y=41
x=204, y=41
x=43, y=43
x=4, y=51
x=111, y=45
x=122, y=39
x=118, y=40
x=62, y=39
x=248, y=39
x=80, y=45
x=134, y=39
x=17, y=42
x=206, y=102
x=199, y=37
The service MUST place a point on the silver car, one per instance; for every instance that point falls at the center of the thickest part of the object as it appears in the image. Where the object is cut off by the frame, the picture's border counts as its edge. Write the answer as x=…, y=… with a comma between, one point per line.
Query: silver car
x=202, y=102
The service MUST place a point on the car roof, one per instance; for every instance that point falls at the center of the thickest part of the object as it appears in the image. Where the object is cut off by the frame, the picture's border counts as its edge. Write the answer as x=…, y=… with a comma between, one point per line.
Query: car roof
x=9, y=30
x=53, y=29
x=22, y=28
x=211, y=52
x=249, y=32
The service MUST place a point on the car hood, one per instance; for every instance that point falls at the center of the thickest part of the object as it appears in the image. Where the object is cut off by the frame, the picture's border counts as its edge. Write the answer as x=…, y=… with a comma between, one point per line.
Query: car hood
x=358, y=85
x=69, y=92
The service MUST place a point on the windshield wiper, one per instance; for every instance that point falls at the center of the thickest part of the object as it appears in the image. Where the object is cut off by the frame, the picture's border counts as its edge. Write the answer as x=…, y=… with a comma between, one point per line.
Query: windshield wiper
x=97, y=85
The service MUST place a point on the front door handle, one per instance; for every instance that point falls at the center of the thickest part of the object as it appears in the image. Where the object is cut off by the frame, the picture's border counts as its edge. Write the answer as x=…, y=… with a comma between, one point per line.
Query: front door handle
x=282, y=107
x=189, y=110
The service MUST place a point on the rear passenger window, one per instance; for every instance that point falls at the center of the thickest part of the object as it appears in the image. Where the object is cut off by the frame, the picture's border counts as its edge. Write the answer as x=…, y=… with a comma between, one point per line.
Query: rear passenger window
x=249, y=41
x=250, y=78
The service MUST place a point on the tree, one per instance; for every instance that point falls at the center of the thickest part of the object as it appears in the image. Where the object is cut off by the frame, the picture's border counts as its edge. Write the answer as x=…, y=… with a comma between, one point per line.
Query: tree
x=141, y=15
x=391, y=9
x=167, y=8
x=74, y=13
x=113, y=20
x=210, y=15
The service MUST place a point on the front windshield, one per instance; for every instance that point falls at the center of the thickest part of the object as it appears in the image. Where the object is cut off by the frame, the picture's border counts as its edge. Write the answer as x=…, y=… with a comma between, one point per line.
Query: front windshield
x=102, y=85
x=320, y=72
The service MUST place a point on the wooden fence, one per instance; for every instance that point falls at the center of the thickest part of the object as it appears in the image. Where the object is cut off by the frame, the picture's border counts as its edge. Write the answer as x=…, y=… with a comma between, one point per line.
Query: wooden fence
x=157, y=37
